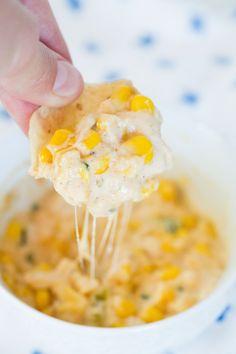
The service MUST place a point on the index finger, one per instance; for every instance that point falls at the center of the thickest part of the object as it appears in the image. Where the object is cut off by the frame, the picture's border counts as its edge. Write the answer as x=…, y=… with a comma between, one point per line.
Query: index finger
x=50, y=33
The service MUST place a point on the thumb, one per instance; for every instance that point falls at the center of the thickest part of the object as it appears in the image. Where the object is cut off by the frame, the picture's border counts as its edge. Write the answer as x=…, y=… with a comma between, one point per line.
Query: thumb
x=29, y=70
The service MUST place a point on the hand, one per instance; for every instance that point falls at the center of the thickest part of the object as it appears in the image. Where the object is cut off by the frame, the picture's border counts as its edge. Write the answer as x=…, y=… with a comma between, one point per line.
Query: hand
x=35, y=65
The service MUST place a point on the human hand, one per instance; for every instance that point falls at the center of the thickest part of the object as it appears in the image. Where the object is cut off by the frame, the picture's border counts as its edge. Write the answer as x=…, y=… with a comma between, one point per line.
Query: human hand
x=35, y=65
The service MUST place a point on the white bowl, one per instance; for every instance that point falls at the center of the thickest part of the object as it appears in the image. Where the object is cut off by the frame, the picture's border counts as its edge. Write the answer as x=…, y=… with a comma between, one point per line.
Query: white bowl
x=207, y=162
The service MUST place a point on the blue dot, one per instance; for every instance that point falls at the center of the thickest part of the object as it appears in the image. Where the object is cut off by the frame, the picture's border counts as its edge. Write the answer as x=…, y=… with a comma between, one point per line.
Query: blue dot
x=4, y=113
x=197, y=23
x=112, y=75
x=222, y=60
x=146, y=40
x=224, y=314
x=37, y=352
x=75, y=4
x=165, y=63
x=91, y=47
x=190, y=98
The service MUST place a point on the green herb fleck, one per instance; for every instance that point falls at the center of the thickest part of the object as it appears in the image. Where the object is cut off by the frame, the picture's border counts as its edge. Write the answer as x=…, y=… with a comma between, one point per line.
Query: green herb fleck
x=35, y=207
x=171, y=225
x=180, y=288
x=98, y=319
x=101, y=296
x=145, y=296
x=23, y=237
x=112, y=210
x=86, y=165
x=30, y=257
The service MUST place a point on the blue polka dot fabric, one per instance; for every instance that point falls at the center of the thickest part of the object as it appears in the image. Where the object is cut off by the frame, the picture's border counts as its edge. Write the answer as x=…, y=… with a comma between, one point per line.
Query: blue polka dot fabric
x=180, y=53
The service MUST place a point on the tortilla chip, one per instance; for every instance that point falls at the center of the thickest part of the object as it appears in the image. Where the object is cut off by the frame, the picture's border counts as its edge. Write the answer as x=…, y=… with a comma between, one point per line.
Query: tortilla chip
x=45, y=121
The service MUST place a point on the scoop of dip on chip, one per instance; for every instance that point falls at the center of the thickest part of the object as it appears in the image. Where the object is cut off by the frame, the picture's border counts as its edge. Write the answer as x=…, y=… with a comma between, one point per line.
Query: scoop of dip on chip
x=102, y=150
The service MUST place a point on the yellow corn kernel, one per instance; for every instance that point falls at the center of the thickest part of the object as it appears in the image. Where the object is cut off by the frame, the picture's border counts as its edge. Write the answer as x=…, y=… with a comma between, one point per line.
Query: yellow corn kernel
x=60, y=137
x=210, y=229
x=127, y=268
x=142, y=103
x=167, y=296
x=189, y=221
x=148, y=188
x=125, y=308
x=48, y=311
x=148, y=268
x=202, y=248
x=149, y=157
x=13, y=231
x=92, y=140
x=152, y=314
x=118, y=324
x=103, y=162
x=133, y=225
x=83, y=173
x=9, y=281
x=168, y=247
x=5, y=258
x=167, y=190
x=24, y=292
x=122, y=94
x=182, y=232
x=140, y=145
x=170, y=273
x=101, y=124
x=45, y=156
x=43, y=299
x=43, y=267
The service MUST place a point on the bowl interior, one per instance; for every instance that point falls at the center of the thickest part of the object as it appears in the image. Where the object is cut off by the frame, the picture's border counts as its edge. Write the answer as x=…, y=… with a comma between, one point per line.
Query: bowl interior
x=200, y=158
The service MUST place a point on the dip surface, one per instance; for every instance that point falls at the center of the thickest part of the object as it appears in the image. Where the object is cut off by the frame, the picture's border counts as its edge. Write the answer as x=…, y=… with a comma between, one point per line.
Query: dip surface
x=171, y=257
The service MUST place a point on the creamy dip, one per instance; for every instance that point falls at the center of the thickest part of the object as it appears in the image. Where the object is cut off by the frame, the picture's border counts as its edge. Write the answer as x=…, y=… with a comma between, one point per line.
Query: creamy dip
x=170, y=258
x=112, y=156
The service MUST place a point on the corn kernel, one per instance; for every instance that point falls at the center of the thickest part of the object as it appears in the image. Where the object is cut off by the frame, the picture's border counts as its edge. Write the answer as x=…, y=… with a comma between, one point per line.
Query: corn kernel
x=141, y=146
x=182, y=232
x=210, y=229
x=148, y=188
x=5, y=258
x=202, y=248
x=43, y=267
x=60, y=137
x=168, y=191
x=168, y=247
x=43, y=299
x=48, y=312
x=142, y=103
x=9, y=281
x=170, y=273
x=24, y=292
x=103, y=162
x=122, y=94
x=118, y=324
x=101, y=124
x=13, y=231
x=92, y=140
x=167, y=296
x=127, y=268
x=149, y=157
x=125, y=308
x=152, y=314
x=45, y=156
x=83, y=173
x=189, y=221
x=148, y=268
x=133, y=225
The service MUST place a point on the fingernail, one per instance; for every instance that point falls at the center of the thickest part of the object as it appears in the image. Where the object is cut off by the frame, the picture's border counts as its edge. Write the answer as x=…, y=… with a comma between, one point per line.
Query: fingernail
x=68, y=80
